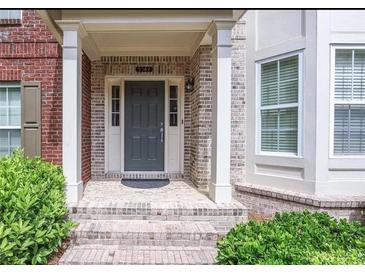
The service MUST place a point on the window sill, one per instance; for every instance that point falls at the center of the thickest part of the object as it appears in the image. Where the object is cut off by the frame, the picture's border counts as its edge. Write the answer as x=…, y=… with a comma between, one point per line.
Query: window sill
x=278, y=154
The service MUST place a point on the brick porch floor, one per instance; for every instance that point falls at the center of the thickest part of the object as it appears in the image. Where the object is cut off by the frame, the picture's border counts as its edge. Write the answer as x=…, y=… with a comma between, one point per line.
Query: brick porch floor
x=114, y=191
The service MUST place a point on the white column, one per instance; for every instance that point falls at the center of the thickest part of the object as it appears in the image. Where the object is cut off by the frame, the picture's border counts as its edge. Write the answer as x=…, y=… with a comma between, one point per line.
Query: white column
x=71, y=109
x=220, y=189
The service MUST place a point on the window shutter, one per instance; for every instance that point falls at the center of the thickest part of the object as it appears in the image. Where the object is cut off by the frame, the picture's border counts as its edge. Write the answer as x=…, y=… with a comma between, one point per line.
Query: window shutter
x=31, y=119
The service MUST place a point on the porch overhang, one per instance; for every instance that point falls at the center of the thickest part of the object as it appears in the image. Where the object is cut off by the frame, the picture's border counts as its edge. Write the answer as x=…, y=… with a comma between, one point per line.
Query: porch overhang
x=163, y=33
x=139, y=32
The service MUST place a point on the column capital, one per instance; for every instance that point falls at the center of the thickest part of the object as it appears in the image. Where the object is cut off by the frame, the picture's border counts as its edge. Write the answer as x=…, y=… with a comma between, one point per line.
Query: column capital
x=221, y=32
x=72, y=25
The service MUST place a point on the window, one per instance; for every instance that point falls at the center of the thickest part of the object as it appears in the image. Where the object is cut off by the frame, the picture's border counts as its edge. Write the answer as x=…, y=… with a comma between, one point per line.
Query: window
x=173, y=103
x=10, y=14
x=278, y=105
x=115, y=106
x=349, y=102
x=9, y=118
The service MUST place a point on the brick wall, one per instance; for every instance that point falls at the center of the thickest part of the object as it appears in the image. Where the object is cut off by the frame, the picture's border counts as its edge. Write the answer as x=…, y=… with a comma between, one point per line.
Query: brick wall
x=201, y=117
x=97, y=119
x=238, y=107
x=29, y=52
x=86, y=119
x=201, y=111
x=126, y=66
x=266, y=201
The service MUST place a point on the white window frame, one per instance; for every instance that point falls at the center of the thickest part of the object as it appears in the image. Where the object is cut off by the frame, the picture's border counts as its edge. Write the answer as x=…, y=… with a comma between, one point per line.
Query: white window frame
x=8, y=17
x=11, y=85
x=333, y=102
x=258, y=106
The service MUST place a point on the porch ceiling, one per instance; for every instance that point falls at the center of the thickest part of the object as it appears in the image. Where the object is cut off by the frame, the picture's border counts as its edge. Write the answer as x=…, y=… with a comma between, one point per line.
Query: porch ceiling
x=140, y=32
x=146, y=43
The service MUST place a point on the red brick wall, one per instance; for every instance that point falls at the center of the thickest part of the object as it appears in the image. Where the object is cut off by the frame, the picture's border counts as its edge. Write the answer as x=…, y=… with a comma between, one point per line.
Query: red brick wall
x=29, y=52
x=86, y=119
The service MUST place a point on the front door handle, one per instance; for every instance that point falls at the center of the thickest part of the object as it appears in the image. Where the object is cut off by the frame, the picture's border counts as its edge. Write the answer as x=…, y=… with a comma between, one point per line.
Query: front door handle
x=161, y=133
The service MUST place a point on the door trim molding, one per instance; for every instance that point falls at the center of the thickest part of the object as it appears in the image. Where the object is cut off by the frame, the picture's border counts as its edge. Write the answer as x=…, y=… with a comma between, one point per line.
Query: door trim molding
x=120, y=80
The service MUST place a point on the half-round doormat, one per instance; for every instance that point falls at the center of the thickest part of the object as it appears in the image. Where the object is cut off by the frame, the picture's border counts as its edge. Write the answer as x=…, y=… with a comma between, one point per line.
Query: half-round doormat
x=145, y=183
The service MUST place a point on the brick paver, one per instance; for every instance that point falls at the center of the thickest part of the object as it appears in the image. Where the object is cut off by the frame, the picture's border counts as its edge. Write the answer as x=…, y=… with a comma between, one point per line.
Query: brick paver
x=102, y=254
x=141, y=232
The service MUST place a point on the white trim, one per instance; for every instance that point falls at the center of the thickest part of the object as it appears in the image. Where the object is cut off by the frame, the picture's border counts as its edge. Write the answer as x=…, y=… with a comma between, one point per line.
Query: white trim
x=334, y=102
x=111, y=80
x=166, y=125
x=299, y=105
x=10, y=127
x=181, y=123
x=121, y=111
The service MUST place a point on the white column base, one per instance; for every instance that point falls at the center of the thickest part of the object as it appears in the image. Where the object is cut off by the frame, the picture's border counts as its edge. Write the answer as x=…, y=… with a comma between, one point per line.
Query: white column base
x=74, y=193
x=220, y=193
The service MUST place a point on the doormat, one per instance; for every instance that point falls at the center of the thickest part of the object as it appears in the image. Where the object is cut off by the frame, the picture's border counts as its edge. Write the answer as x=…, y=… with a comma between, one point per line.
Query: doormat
x=145, y=183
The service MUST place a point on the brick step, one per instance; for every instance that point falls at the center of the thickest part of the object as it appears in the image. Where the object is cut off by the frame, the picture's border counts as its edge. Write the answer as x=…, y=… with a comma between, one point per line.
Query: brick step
x=161, y=255
x=221, y=216
x=148, y=233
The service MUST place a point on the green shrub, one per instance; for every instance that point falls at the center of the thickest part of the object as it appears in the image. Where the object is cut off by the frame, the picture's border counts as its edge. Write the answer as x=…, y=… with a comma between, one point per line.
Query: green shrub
x=294, y=238
x=33, y=219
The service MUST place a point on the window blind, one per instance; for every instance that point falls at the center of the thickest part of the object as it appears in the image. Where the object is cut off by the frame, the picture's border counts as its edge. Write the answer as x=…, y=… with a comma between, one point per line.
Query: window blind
x=279, y=105
x=9, y=118
x=349, y=116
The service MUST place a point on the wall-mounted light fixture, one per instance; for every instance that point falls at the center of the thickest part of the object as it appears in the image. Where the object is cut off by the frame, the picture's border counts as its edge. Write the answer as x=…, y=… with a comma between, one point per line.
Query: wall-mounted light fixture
x=189, y=84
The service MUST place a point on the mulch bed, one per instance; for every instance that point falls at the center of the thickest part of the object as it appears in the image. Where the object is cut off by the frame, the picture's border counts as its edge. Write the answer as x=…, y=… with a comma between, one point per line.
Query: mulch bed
x=56, y=256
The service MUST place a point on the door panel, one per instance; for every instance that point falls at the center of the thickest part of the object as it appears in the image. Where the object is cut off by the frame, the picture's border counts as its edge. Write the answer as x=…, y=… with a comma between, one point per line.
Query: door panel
x=144, y=119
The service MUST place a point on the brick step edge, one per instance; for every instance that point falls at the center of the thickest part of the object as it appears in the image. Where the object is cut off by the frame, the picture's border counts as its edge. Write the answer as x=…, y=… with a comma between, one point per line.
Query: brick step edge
x=152, y=233
x=169, y=255
x=134, y=211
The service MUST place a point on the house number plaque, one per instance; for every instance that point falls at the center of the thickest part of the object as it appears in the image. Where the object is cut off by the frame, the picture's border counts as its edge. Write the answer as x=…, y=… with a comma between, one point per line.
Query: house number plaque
x=144, y=69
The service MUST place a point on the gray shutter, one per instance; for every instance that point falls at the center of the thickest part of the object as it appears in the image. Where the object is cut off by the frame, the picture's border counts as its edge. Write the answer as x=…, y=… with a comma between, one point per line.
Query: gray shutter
x=31, y=119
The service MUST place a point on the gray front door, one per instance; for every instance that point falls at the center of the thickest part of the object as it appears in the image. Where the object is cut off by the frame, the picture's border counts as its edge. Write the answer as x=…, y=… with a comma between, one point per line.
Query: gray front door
x=144, y=124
